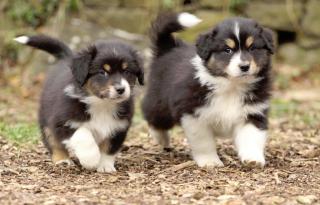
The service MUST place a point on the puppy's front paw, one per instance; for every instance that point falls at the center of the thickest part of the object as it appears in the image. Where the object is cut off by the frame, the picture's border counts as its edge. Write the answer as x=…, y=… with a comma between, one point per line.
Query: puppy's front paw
x=252, y=160
x=106, y=167
x=106, y=164
x=90, y=159
x=208, y=161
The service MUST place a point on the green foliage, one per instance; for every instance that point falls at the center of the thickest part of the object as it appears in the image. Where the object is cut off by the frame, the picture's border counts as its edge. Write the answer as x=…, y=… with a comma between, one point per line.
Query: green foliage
x=32, y=13
x=74, y=5
x=168, y=4
x=281, y=108
x=235, y=5
x=20, y=133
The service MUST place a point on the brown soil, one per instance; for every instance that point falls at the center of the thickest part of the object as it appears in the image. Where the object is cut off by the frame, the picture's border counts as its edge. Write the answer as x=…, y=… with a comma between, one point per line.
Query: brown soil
x=148, y=176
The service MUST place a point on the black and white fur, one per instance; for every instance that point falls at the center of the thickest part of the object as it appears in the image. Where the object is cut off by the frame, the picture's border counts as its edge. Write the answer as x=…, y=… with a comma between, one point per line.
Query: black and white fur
x=86, y=105
x=219, y=87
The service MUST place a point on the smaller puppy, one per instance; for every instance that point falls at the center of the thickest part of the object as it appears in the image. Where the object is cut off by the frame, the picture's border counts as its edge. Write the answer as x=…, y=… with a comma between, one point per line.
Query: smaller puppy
x=86, y=105
x=219, y=87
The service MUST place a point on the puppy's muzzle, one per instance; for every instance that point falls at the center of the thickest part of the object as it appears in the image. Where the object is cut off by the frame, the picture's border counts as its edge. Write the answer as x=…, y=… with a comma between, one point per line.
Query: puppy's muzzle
x=244, y=67
x=104, y=93
x=120, y=89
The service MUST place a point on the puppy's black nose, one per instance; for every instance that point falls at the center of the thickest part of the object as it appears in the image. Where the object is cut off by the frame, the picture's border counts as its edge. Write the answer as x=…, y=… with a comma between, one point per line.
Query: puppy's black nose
x=120, y=90
x=244, y=67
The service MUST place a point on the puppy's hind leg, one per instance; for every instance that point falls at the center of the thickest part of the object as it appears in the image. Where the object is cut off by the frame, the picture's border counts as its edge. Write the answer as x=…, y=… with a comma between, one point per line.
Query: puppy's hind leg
x=59, y=155
x=161, y=137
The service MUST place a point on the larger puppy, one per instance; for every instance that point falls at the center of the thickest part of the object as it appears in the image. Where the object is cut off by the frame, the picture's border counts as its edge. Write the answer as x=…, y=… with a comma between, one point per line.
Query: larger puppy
x=87, y=104
x=219, y=87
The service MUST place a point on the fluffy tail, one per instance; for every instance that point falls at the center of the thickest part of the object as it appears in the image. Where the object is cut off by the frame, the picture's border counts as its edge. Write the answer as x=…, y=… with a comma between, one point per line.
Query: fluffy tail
x=162, y=28
x=46, y=43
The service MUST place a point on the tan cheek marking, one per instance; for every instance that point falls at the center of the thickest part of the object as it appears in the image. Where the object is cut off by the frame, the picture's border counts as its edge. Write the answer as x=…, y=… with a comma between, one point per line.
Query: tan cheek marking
x=211, y=62
x=254, y=67
x=107, y=67
x=124, y=65
x=249, y=41
x=230, y=43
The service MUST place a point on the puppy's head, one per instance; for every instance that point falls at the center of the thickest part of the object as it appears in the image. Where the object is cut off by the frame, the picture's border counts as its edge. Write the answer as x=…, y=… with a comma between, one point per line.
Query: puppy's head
x=108, y=70
x=236, y=47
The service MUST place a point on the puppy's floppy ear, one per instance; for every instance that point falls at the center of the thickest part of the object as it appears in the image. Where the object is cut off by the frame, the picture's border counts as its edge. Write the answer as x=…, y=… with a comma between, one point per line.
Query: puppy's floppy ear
x=81, y=63
x=139, y=64
x=204, y=44
x=267, y=35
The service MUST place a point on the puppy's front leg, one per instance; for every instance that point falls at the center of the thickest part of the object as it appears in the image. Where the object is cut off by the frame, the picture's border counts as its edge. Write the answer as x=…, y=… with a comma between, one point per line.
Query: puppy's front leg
x=108, y=149
x=84, y=146
x=250, y=143
x=202, y=142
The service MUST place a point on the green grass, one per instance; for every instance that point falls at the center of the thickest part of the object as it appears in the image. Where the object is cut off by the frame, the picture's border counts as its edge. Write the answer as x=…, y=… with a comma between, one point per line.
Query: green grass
x=282, y=108
x=20, y=133
x=296, y=112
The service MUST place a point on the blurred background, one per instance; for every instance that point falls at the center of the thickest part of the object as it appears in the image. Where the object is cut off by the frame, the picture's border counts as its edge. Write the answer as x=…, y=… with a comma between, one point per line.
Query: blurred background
x=78, y=22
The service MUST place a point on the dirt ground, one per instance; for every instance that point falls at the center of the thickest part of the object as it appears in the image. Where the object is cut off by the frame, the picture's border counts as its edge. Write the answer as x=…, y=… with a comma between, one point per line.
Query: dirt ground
x=147, y=175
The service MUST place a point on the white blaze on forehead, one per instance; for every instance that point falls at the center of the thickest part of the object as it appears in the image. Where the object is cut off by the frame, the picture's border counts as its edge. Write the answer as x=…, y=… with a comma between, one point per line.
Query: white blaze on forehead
x=126, y=85
x=233, y=67
x=237, y=31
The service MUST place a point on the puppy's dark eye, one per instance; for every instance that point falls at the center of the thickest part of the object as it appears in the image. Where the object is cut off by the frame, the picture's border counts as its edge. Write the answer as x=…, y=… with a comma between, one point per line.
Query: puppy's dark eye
x=228, y=51
x=252, y=48
x=128, y=72
x=104, y=73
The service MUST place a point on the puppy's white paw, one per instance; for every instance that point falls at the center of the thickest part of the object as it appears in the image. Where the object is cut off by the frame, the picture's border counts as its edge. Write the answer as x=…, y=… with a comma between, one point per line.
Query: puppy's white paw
x=106, y=163
x=208, y=161
x=252, y=159
x=84, y=147
x=89, y=159
x=106, y=167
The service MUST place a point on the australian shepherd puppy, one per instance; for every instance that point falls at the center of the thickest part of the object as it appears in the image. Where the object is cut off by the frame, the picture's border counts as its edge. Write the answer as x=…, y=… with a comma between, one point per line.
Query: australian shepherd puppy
x=86, y=105
x=219, y=87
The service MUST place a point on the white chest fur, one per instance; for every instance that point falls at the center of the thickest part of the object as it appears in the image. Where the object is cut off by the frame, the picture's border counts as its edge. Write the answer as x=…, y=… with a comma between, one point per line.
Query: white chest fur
x=223, y=111
x=103, y=120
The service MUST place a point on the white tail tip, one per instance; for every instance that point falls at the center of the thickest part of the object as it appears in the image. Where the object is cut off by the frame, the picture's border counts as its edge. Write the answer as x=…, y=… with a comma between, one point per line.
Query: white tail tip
x=22, y=39
x=188, y=20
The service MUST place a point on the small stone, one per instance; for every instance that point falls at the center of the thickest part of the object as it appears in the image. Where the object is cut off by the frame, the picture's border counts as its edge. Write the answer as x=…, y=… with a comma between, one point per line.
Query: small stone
x=308, y=199
x=198, y=195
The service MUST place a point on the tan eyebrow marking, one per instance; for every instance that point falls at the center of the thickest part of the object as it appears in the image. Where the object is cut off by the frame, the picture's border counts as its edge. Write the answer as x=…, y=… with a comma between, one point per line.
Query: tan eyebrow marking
x=249, y=41
x=124, y=65
x=230, y=43
x=107, y=67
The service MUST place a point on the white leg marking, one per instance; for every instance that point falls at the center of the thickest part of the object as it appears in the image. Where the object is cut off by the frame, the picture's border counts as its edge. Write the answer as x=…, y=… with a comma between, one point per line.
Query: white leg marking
x=22, y=39
x=250, y=142
x=160, y=136
x=85, y=148
x=202, y=142
x=106, y=163
x=188, y=20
